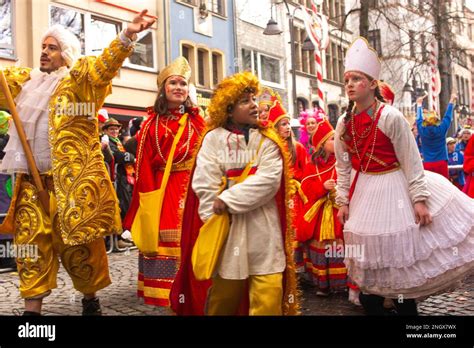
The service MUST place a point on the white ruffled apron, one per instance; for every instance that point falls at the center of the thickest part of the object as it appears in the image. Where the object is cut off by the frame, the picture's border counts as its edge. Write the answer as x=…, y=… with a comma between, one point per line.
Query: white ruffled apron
x=399, y=256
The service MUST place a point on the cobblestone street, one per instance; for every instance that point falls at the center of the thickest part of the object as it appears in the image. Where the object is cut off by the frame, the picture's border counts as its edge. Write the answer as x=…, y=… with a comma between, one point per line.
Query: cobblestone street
x=120, y=297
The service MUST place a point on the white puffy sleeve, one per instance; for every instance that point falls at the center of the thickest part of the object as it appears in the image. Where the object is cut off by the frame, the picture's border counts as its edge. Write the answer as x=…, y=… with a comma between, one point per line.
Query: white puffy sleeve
x=343, y=165
x=208, y=175
x=397, y=128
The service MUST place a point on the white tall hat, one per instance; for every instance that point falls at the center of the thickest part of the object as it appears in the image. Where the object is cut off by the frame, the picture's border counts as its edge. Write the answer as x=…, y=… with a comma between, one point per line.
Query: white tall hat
x=363, y=58
x=70, y=45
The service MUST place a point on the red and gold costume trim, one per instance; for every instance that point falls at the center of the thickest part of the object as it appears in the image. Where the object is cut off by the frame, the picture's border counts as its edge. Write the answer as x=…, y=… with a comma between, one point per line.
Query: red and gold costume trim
x=157, y=272
x=380, y=156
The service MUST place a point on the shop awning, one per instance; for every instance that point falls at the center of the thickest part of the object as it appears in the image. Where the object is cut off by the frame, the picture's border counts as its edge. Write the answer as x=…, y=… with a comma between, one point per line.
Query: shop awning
x=125, y=112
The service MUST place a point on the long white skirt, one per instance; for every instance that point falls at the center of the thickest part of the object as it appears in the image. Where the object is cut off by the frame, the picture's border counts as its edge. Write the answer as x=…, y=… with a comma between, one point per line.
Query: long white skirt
x=397, y=257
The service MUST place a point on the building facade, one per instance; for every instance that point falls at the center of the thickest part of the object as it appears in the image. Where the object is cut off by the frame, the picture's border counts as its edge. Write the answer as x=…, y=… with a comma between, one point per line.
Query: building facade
x=95, y=23
x=305, y=65
x=264, y=55
x=402, y=31
x=203, y=31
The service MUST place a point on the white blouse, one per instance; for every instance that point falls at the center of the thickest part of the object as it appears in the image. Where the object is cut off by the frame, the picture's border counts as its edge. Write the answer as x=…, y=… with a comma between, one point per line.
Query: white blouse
x=255, y=242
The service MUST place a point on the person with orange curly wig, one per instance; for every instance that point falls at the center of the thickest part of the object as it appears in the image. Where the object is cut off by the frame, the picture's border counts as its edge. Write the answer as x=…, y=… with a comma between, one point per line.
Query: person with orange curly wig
x=255, y=274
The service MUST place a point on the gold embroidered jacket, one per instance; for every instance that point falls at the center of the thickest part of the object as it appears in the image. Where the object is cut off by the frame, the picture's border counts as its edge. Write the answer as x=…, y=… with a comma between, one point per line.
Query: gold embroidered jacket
x=87, y=206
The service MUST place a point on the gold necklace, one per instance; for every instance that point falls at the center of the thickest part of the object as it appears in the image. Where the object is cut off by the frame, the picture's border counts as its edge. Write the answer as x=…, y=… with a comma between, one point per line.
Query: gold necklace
x=158, y=142
x=373, y=145
x=366, y=132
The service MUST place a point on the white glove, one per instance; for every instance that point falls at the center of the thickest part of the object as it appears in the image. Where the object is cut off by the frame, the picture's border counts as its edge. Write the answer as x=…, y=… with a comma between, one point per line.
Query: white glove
x=126, y=235
x=105, y=139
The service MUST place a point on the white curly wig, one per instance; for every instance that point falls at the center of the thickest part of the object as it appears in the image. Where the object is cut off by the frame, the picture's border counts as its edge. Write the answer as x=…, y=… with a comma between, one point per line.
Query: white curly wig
x=70, y=45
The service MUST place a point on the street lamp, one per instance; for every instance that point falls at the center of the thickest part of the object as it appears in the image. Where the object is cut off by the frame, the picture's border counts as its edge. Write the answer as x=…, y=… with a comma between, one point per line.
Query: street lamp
x=464, y=112
x=308, y=45
x=407, y=88
x=273, y=29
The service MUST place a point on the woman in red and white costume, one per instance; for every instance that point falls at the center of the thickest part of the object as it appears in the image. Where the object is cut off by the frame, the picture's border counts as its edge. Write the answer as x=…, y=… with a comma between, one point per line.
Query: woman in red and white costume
x=319, y=228
x=407, y=220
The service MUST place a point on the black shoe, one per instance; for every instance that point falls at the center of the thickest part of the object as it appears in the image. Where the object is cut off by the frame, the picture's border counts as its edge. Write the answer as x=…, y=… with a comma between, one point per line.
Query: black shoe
x=31, y=314
x=372, y=304
x=406, y=308
x=91, y=307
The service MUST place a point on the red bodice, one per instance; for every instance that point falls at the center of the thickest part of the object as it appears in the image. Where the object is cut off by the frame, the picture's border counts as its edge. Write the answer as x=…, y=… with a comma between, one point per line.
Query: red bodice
x=380, y=156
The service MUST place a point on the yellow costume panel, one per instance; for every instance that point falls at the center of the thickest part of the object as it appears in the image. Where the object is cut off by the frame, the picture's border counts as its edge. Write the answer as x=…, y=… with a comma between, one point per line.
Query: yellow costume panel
x=39, y=244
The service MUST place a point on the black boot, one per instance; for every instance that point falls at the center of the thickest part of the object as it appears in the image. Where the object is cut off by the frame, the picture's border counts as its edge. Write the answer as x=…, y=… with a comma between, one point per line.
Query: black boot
x=91, y=307
x=407, y=307
x=372, y=304
x=31, y=314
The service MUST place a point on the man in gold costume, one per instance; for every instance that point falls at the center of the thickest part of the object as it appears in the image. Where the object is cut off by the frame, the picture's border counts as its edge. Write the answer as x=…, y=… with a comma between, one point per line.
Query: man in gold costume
x=58, y=105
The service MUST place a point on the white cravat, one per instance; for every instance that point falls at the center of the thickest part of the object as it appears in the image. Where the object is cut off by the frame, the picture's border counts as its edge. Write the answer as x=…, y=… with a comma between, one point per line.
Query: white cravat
x=32, y=106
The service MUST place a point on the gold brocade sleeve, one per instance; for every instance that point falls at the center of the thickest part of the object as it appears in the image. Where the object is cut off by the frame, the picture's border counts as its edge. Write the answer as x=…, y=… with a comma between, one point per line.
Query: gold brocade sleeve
x=87, y=205
x=92, y=76
x=15, y=77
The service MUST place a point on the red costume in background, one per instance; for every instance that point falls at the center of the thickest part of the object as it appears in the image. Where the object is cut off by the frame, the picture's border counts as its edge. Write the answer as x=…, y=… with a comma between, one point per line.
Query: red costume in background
x=319, y=229
x=469, y=168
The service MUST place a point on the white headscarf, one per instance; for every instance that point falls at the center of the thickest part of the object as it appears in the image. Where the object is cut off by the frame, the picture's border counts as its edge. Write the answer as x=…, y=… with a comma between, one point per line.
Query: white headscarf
x=70, y=45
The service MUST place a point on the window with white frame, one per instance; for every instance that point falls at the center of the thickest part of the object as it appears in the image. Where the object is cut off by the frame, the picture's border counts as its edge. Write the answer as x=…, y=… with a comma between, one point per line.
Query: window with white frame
x=374, y=39
x=7, y=46
x=202, y=67
x=206, y=63
x=188, y=52
x=216, y=6
x=143, y=57
x=71, y=19
x=190, y=2
x=217, y=67
x=100, y=33
x=95, y=33
x=267, y=68
x=329, y=74
x=335, y=55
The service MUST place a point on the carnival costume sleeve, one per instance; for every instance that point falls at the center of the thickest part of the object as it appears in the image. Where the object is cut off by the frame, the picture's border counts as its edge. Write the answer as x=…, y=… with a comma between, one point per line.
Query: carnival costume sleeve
x=447, y=119
x=311, y=185
x=396, y=127
x=419, y=119
x=207, y=177
x=343, y=165
x=258, y=189
x=78, y=167
x=15, y=77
